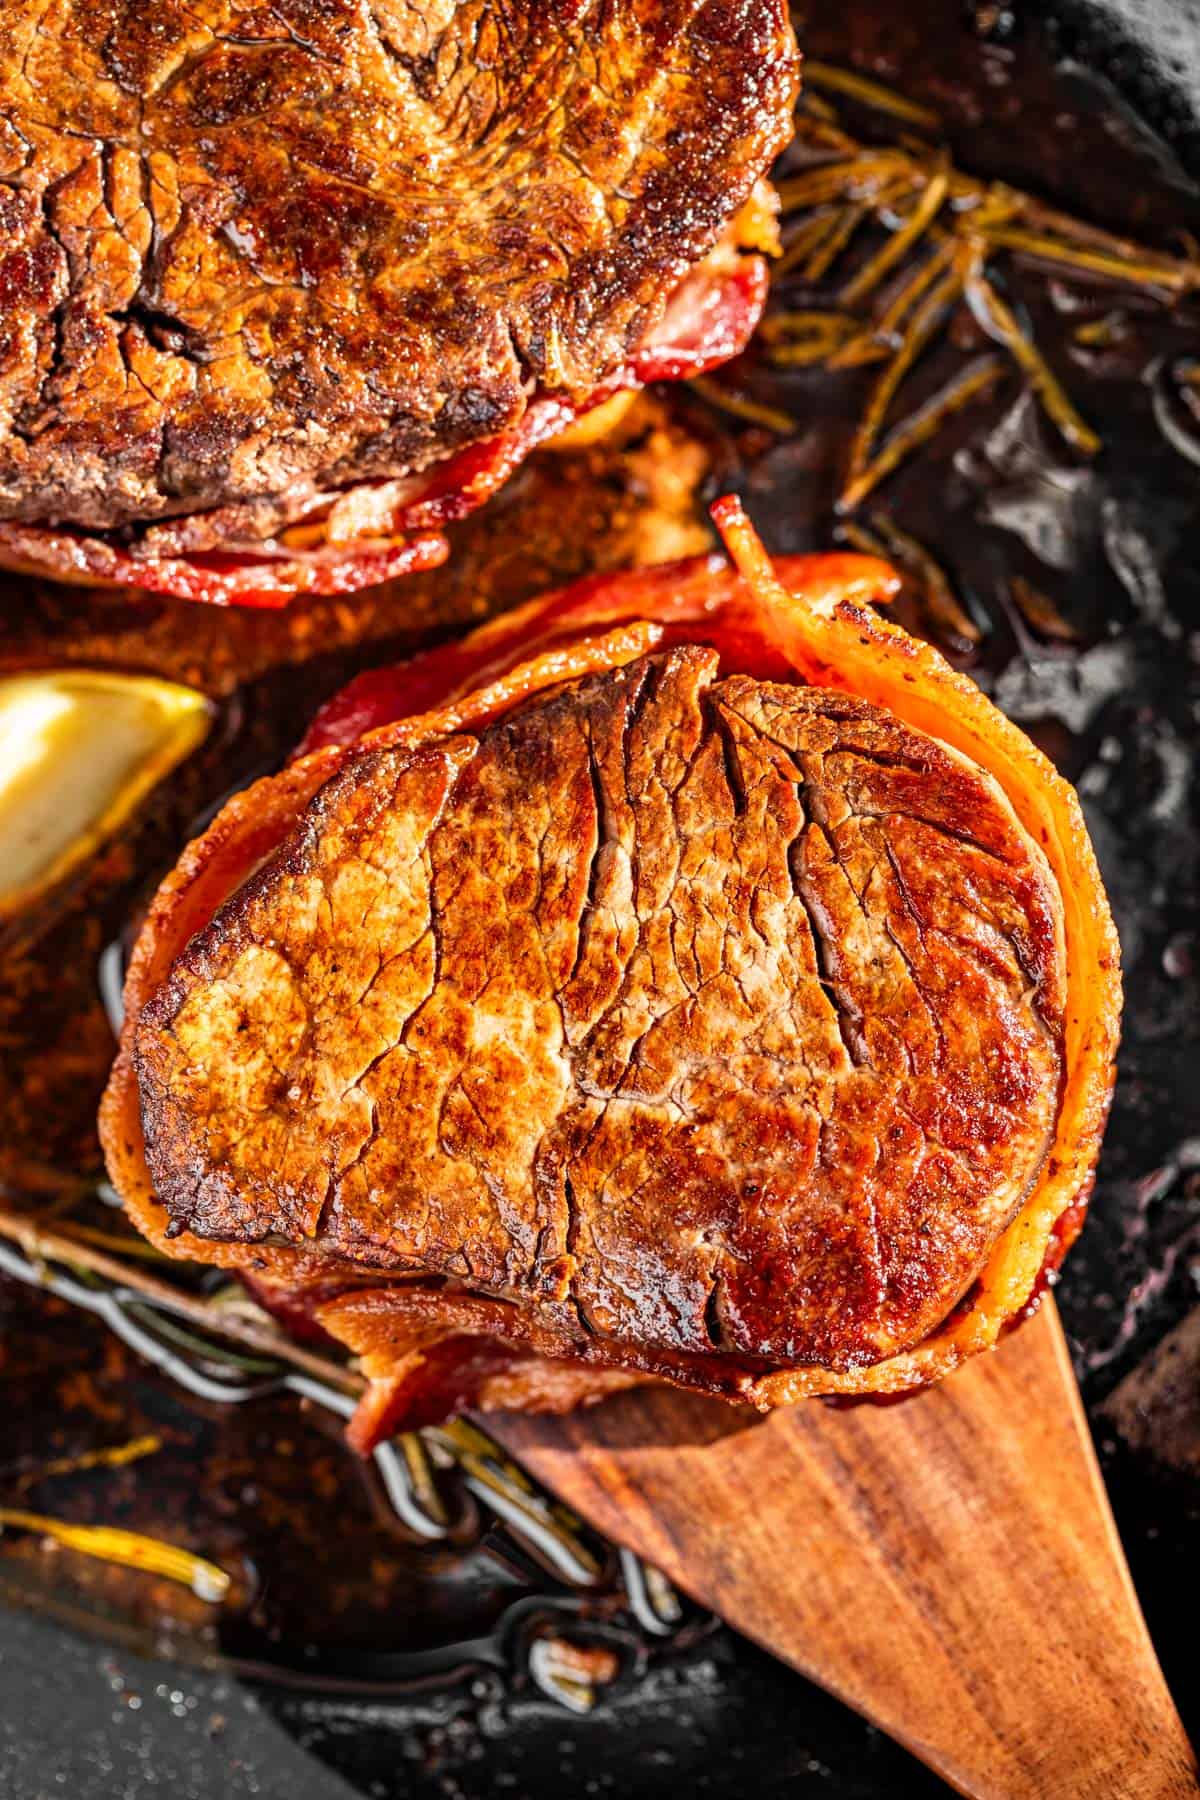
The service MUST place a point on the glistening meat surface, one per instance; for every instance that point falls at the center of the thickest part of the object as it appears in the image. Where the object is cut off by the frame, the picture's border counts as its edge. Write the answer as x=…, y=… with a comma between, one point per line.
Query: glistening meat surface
x=255, y=258
x=698, y=1016
x=428, y=1338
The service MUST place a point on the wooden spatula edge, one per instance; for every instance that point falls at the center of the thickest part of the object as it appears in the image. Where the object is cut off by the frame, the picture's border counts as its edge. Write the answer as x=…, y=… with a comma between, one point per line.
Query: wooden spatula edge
x=949, y=1566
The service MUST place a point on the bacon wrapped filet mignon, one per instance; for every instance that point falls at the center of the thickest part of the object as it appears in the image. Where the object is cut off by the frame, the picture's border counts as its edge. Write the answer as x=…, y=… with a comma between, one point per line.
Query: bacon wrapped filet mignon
x=694, y=979
x=284, y=289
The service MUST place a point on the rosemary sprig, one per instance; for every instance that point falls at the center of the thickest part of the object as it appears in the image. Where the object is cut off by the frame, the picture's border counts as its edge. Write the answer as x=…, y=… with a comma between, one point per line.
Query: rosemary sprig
x=897, y=247
x=111, y=1456
x=935, y=587
x=1102, y=333
x=920, y=198
x=858, y=177
x=1040, y=612
x=550, y=1527
x=798, y=338
x=804, y=322
x=1007, y=217
x=120, y=1245
x=801, y=242
x=834, y=241
x=1142, y=269
x=404, y=1466
x=56, y=1247
x=741, y=408
x=875, y=340
x=128, y=1548
x=920, y=329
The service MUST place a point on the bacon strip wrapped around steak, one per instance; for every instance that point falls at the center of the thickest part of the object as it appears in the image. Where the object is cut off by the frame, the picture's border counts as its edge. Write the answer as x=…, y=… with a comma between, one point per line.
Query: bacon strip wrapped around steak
x=284, y=290
x=688, y=977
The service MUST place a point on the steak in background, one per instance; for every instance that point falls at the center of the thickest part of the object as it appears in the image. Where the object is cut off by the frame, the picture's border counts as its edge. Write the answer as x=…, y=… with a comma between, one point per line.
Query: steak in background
x=264, y=266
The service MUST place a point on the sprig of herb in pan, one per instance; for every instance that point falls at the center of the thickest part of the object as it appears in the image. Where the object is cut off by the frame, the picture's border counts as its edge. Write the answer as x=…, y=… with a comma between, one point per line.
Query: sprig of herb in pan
x=952, y=227
x=196, y=1337
x=945, y=231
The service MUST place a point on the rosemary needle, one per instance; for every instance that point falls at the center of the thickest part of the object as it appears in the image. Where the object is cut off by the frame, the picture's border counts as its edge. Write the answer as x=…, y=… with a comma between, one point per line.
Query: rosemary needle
x=868, y=92
x=978, y=378
x=1000, y=322
x=129, y=1548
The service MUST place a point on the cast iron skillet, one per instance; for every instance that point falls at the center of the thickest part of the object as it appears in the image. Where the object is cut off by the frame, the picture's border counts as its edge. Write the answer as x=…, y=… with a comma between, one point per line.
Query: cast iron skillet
x=719, y=1718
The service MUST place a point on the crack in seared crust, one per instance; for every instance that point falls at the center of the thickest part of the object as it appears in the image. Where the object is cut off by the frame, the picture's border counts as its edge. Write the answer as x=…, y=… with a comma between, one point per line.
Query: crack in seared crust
x=827, y=950
x=695, y=1015
x=284, y=248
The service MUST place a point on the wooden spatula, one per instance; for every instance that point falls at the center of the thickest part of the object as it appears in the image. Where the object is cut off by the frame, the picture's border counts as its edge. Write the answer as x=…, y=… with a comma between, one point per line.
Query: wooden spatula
x=948, y=1566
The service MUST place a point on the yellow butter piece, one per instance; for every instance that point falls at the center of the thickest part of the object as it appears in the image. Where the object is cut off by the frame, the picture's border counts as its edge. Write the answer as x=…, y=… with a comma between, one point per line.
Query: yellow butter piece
x=79, y=750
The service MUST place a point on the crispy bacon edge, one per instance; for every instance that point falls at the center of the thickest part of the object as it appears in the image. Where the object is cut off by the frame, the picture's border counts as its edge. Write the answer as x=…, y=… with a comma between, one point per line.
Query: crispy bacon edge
x=806, y=618
x=709, y=319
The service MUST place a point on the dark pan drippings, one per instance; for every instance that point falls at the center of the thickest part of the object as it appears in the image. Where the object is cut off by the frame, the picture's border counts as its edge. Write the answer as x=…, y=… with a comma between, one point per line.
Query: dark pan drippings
x=1062, y=580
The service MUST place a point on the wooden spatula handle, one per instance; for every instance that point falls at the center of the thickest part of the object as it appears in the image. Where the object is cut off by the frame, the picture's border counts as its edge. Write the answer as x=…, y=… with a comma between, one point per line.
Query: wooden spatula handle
x=948, y=1566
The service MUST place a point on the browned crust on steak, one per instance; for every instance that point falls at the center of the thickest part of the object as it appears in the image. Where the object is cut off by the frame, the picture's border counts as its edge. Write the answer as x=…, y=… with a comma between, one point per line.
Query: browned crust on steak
x=251, y=253
x=701, y=1018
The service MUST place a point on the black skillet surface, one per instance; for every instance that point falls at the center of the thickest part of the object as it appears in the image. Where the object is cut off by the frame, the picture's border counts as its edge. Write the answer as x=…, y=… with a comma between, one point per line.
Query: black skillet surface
x=1120, y=708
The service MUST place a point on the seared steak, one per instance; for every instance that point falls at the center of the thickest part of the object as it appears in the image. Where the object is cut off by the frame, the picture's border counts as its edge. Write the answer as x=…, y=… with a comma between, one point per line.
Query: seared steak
x=253, y=255
x=697, y=1016
x=686, y=977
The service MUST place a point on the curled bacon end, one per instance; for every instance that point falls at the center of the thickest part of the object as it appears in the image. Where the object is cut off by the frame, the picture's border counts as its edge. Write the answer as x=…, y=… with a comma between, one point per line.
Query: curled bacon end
x=698, y=600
